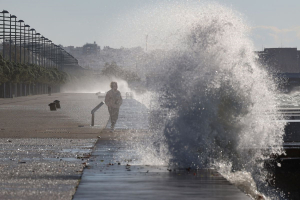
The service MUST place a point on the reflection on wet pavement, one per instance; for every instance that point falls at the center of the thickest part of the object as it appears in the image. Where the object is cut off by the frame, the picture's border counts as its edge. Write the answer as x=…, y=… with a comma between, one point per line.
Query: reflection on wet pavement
x=42, y=168
x=106, y=177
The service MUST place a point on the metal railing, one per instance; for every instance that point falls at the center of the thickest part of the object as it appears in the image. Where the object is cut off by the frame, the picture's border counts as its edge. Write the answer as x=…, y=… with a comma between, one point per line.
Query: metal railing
x=93, y=112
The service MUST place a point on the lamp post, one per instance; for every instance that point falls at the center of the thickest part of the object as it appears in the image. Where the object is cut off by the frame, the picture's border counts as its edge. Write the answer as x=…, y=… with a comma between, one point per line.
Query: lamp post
x=11, y=17
x=15, y=41
x=32, y=44
x=37, y=48
x=26, y=37
x=60, y=59
x=10, y=34
x=48, y=52
x=20, y=21
x=50, y=57
x=3, y=21
x=62, y=56
x=43, y=50
x=56, y=55
x=3, y=44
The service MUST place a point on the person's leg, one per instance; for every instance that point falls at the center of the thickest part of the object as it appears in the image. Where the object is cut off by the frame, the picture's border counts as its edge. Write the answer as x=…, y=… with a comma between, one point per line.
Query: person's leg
x=114, y=116
x=110, y=116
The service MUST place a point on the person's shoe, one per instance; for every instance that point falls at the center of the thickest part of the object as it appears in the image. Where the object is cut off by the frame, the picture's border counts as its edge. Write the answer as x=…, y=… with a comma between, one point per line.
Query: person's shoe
x=112, y=125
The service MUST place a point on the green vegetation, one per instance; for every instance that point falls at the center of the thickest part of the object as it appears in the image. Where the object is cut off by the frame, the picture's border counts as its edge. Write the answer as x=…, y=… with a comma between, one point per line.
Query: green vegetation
x=30, y=73
x=112, y=69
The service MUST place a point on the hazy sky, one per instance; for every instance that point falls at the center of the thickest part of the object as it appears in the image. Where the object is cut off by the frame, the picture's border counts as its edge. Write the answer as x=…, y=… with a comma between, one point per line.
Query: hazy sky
x=76, y=22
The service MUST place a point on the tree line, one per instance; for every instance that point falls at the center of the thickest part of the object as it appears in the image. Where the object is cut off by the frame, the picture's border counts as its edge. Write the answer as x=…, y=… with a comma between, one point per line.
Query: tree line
x=30, y=73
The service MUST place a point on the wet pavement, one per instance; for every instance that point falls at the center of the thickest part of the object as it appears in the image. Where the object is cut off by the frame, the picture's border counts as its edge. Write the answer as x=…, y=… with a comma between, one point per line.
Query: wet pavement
x=132, y=115
x=42, y=152
x=30, y=116
x=39, y=168
x=108, y=178
x=111, y=176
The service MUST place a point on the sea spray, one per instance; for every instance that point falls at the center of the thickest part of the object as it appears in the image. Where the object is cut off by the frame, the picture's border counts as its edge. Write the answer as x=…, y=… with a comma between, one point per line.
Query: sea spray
x=214, y=103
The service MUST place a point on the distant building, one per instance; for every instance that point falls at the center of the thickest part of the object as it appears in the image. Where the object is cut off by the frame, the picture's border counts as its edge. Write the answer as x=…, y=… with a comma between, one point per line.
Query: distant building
x=91, y=56
x=69, y=49
x=87, y=49
x=281, y=60
x=91, y=49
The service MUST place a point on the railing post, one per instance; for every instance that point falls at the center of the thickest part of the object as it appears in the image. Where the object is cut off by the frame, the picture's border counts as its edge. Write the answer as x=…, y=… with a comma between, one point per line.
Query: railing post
x=93, y=112
x=93, y=119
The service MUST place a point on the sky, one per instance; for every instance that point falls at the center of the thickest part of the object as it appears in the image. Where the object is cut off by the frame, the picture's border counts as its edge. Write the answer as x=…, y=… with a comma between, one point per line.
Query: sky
x=76, y=22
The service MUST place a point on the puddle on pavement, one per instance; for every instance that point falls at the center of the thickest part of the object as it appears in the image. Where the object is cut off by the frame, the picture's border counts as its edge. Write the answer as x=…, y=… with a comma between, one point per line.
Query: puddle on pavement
x=63, y=159
x=75, y=151
x=24, y=160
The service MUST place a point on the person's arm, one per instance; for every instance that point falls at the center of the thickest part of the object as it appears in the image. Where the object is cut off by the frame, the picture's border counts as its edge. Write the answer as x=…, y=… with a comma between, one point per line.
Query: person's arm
x=120, y=100
x=107, y=99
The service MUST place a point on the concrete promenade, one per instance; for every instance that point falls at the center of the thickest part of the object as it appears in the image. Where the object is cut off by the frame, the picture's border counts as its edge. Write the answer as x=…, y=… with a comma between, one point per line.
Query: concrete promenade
x=58, y=155
x=30, y=117
x=42, y=152
x=109, y=176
